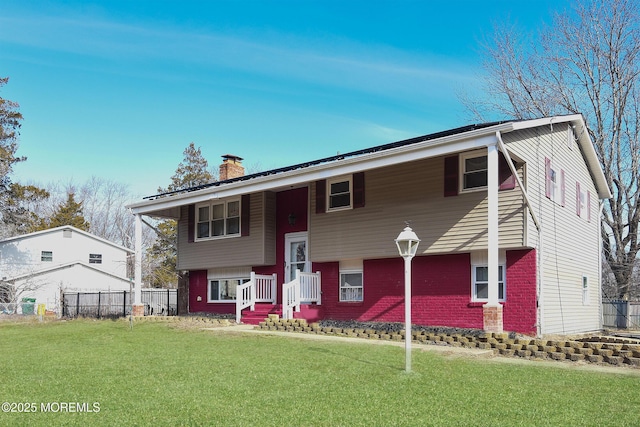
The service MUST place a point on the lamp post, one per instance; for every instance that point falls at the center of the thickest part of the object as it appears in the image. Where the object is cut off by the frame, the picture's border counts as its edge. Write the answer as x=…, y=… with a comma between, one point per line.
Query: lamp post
x=407, y=243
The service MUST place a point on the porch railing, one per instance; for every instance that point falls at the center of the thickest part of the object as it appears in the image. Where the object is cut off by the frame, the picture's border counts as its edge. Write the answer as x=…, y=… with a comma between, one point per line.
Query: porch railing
x=260, y=288
x=306, y=287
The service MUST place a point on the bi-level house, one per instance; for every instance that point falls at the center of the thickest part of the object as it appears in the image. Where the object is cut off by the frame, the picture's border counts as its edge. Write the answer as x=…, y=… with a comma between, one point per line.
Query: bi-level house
x=44, y=264
x=508, y=214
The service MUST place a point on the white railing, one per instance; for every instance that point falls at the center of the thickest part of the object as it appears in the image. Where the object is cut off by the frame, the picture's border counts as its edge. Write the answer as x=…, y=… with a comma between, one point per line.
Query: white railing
x=259, y=288
x=304, y=288
x=310, y=288
x=265, y=287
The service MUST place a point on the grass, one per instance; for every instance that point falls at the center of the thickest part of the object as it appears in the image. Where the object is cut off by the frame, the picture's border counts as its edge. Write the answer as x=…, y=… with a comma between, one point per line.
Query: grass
x=158, y=375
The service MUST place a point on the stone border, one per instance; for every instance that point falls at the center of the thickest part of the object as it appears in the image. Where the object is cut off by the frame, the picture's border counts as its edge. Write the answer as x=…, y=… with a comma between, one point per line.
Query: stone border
x=616, y=354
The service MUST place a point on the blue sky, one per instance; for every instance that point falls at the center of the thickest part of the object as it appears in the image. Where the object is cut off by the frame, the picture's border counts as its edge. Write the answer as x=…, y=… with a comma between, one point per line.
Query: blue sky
x=118, y=89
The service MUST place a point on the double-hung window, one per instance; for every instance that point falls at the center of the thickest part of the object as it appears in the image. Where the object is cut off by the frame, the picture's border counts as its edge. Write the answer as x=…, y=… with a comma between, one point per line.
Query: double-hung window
x=46, y=256
x=224, y=289
x=340, y=193
x=95, y=258
x=351, y=286
x=554, y=182
x=474, y=171
x=218, y=219
x=480, y=283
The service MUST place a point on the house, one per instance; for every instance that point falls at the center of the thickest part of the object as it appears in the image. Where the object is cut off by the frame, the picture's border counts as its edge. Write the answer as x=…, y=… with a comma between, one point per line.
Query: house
x=508, y=214
x=44, y=264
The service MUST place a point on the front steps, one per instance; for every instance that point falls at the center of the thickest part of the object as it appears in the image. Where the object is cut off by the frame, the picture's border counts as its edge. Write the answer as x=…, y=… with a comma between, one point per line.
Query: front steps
x=309, y=312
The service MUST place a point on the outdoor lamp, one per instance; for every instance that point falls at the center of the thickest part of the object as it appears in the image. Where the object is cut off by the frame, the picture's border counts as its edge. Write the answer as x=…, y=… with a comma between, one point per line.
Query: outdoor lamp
x=407, y=243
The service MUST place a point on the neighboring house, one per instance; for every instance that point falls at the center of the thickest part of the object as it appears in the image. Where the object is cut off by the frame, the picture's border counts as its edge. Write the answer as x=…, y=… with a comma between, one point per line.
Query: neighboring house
x=44, y=264
x=499, y=251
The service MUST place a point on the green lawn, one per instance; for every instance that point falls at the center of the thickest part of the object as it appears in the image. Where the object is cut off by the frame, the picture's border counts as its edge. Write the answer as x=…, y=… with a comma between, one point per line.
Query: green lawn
x=160, y=375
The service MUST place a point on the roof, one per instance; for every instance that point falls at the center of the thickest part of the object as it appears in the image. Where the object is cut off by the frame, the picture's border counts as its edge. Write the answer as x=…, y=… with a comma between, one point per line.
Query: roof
x=62, y=228
x=451, y=141
x=327, y=159
x=50, y=269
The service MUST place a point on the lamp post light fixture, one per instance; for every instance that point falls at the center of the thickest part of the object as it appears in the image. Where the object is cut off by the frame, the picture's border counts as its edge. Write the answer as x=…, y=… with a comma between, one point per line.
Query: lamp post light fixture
x=407, y=243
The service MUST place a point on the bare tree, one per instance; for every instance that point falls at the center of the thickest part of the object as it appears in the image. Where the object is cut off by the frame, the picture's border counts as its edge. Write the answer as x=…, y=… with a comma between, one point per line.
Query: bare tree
x=588, y=62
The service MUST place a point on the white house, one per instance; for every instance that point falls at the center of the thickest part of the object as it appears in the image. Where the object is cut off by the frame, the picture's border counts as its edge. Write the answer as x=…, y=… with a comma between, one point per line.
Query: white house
x=44, y=264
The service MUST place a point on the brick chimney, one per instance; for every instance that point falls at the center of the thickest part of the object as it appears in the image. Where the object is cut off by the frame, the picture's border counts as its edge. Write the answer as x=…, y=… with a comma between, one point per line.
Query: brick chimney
x=231, y=167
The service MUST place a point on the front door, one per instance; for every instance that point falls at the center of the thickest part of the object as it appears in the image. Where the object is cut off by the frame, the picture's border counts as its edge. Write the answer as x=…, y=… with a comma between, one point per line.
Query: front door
x=296, y=250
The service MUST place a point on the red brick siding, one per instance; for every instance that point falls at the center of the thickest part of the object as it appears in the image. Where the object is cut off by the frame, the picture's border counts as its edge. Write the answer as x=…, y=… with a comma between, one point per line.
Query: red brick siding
x=441, y=292
x=520, y=312
x=198, y=288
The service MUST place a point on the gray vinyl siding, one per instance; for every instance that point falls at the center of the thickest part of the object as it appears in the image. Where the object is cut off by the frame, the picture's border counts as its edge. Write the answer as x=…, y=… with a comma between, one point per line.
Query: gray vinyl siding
x=258, y=248
x=570, y=244
x=412, y=192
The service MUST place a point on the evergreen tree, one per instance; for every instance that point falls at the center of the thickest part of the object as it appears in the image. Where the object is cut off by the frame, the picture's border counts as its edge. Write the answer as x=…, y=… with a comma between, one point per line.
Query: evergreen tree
x=191, y=172
x=68, y=213
x=15, y=215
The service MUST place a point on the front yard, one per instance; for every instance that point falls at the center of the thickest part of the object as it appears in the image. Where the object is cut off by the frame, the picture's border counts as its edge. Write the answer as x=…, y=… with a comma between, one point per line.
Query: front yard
x=87, y=372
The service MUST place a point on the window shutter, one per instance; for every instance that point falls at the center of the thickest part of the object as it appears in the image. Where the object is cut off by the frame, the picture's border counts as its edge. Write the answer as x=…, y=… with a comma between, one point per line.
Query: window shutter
x=358, y=190
x=589, y=206
x=562, y=188
x=321, y=196
x=507, y=180
x=578, y=198
x=547, y=177
x=245, y=214
x=451, y=176
x=191, y=223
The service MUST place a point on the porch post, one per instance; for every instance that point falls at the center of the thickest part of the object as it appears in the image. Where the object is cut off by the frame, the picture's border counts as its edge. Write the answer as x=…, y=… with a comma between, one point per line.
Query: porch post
x=492, y=310
x=138, y=308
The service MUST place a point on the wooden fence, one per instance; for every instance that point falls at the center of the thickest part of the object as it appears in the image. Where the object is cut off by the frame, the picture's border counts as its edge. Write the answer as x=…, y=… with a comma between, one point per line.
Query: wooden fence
x=621, y=314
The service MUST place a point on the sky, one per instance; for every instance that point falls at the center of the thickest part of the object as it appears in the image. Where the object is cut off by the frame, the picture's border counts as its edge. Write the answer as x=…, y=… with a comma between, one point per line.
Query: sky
x=118, y=89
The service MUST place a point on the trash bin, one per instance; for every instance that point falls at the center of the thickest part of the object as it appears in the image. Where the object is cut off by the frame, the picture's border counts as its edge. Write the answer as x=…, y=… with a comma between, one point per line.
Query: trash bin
x=28, y=305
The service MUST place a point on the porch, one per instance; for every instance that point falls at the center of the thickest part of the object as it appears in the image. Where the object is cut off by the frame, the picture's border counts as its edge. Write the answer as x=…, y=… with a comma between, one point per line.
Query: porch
x=301, y=298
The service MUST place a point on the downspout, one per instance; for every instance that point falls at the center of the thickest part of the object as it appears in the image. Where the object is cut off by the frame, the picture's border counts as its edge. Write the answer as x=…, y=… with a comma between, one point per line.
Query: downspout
x=599, y=230
x=512, y=167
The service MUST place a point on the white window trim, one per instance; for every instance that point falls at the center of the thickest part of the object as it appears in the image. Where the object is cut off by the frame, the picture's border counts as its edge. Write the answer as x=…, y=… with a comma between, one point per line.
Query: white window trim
x=474, y=297
x=461, y=158
x=559, y=185
x=343, y=272
x=49, y=257
x=95, y=258
x=330, y=181
x=210, y=205
x=223, y=301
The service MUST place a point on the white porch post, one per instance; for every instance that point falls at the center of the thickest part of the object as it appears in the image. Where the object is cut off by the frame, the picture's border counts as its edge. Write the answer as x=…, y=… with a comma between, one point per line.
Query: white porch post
x=138, y=308
x=492, y=310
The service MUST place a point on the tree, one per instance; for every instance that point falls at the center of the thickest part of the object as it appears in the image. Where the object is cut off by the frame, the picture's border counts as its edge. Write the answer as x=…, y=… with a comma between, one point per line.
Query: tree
x=191, y=172
x=587, y=62
x=15, y=217
x=68, y=213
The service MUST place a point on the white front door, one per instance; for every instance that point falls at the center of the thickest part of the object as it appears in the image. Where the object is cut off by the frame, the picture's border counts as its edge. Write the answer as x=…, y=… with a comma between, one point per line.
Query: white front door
x=296, y=250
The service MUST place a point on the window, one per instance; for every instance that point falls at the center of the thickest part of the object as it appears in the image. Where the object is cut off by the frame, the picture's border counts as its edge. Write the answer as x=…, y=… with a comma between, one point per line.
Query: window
x=351, y=286
x=583, y=202
x=585, y=290
x=218, y=219
x=46, y=256
x=339, y=195
x=474, y=171
x=95, y=258
x=480, y=283
x=224, y=289
x=554, y=182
